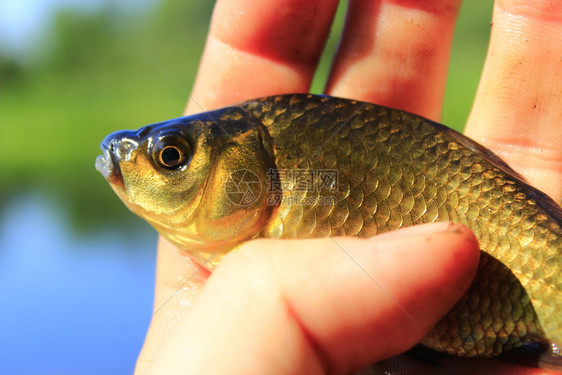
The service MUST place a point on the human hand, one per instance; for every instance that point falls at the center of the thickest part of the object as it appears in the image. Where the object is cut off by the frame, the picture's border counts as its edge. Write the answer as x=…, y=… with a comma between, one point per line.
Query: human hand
x=393, y=53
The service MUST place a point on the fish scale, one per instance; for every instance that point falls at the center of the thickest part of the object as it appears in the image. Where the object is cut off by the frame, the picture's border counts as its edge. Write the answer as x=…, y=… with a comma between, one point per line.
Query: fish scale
x=388, y=169
x=397, y=169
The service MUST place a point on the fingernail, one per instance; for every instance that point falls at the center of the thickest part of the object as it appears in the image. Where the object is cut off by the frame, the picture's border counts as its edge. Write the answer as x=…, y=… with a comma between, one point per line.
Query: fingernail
x=416, y=230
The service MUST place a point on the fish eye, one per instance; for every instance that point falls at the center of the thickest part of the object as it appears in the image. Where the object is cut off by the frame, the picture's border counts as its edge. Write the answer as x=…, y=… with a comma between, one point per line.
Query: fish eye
x=171, y=151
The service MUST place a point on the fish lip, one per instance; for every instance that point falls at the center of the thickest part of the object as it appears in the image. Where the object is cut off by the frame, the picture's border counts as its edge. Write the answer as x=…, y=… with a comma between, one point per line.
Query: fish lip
x=108, y=165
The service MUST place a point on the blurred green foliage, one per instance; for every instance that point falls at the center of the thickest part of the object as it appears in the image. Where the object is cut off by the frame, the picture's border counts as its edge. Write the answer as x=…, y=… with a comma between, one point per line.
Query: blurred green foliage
x=97, y=72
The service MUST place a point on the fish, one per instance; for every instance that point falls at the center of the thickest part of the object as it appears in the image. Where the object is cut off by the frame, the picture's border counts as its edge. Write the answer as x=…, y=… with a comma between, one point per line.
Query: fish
x=306, y=166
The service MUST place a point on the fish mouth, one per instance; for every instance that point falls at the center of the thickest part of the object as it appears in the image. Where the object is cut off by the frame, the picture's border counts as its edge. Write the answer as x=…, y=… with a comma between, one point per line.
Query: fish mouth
x=108, y=166
x=117, y=147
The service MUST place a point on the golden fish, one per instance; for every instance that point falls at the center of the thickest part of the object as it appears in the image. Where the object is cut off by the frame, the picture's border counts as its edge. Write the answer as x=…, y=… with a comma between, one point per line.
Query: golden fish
x=299, y=166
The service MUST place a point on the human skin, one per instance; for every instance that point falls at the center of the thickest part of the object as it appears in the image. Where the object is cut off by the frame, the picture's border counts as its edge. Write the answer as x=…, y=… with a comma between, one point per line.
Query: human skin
x=273, y=306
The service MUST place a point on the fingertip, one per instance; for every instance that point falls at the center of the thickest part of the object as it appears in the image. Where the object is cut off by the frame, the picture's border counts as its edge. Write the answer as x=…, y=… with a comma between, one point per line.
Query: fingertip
x=443, y=255
x=450, y=244
x=420, y=275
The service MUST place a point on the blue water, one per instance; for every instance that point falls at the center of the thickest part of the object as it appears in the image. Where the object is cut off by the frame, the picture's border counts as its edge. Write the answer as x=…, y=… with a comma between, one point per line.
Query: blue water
x=70, y=304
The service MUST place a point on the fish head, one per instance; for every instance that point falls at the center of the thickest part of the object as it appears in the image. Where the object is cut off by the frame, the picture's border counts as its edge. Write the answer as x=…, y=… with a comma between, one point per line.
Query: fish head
x=199, y=180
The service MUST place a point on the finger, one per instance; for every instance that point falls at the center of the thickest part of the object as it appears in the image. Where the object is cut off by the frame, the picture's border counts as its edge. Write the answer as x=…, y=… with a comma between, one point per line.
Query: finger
x=517, y=110
x=259, y=48
x=262, y=312
x=396, y=53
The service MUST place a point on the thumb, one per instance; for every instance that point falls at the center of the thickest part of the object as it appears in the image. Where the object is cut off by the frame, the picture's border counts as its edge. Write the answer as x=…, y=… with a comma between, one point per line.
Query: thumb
x=324, y=305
